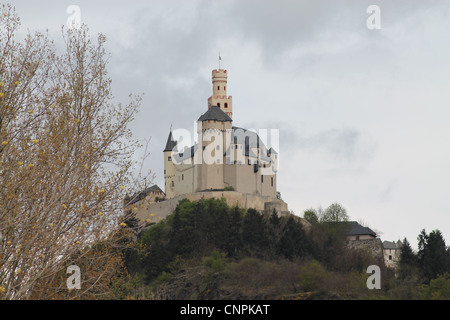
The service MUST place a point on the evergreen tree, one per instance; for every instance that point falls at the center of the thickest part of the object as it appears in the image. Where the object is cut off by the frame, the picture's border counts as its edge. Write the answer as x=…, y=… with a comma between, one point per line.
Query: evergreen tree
x=432, y=255
x=255, y=235
x=233, y=244
x=407, y=264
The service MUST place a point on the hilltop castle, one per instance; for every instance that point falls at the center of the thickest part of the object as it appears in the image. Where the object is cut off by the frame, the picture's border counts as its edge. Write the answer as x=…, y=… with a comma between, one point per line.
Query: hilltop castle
x=225, y=162
x=225, y=157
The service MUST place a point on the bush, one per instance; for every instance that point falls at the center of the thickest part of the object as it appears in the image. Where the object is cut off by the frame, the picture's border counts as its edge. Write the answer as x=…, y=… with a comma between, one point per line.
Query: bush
x=312, y=277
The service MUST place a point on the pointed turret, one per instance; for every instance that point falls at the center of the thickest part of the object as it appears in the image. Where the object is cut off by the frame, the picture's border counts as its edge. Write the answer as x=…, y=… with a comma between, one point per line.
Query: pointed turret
x=169, y=167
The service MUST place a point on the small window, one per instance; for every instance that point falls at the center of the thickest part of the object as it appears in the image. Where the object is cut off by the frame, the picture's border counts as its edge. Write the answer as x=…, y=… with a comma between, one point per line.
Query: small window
x=218, y=104
x=164, y=171
x=271, y=181
x=169, y=158
x=182, y=177
x=224, y=88
x=390, y=257
x=226, y=105
x=173, y=183
x=218, y=87
x=262, y=178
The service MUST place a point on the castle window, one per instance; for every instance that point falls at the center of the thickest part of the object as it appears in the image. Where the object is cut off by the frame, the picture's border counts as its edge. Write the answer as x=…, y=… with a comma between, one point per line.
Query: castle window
x=262, y=178
x=226, y=105
x=182, y=177
x=164, y=171
x=173, y=183
x=224, y=88
x=218, y=87
x=218, y=104
x=271, y=181
x=169, y=158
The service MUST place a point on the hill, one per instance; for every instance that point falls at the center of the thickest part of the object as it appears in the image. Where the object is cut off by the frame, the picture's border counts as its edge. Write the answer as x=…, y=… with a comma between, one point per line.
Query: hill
x=208, y=250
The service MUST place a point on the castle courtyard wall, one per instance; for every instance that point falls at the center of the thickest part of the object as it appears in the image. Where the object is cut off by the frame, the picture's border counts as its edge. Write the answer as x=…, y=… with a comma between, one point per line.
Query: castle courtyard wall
x=156, y=211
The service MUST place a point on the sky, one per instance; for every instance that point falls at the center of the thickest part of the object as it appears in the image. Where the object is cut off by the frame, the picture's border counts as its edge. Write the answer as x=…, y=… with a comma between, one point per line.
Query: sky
x=362, y=112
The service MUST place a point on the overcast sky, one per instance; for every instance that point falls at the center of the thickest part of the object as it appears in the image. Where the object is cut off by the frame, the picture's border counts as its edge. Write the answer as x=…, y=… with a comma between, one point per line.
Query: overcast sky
x=363, y=114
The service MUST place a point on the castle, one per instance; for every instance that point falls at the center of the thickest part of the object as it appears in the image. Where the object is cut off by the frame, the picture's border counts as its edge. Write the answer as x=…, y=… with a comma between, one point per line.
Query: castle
x=226, y=162
x=225, y=157
x=231, y=163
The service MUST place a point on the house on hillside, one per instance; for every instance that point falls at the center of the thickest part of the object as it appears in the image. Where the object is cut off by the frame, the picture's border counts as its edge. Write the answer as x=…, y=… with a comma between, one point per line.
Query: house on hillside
x=359, y=232
x=360, y=237
x=391, y=252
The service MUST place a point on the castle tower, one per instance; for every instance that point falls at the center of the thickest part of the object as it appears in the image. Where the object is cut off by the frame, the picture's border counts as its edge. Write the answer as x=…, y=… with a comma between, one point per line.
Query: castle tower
x=169, y=167
x=219, y=97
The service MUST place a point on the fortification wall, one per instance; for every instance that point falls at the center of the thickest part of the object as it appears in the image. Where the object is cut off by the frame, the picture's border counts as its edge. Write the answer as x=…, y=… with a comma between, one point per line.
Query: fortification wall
x=156, y=211
x=373, y=245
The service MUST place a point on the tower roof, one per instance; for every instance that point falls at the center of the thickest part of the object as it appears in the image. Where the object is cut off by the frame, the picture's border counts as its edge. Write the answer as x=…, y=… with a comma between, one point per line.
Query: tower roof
x=214, y=113
x=170, y=143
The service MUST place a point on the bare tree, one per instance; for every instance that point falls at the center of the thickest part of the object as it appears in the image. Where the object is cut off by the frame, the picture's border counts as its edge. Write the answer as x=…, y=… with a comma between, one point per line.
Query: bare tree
x=65, y=153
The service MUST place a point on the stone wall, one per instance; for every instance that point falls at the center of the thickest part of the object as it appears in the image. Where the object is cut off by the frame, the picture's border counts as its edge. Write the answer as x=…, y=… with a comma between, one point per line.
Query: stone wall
x=155, y=211
x=373, y=245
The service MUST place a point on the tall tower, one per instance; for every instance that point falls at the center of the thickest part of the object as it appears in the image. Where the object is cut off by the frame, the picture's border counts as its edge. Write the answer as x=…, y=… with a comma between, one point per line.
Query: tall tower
x=169, y=167
x=219, y=97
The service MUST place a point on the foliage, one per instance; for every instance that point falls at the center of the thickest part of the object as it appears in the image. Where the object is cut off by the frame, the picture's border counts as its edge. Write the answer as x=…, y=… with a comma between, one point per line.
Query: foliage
x=198, y=228
x=312, y=276
x=438, y=289
x=65, y=154
x=433, y=255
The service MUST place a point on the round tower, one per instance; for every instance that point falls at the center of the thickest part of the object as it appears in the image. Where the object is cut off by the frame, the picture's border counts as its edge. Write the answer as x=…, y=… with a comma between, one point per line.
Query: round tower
x=169, y=167
x=219, y=97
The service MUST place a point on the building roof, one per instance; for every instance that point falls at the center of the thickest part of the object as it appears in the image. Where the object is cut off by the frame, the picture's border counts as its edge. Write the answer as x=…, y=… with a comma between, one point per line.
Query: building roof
x=170, y=143
x=186, y=154
x=214, y=113
x=390, y=245
x=357, y=230
x=142, y=194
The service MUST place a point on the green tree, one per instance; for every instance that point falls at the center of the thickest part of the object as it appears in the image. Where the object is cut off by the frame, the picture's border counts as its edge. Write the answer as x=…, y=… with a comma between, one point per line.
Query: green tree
x=254, y=233
x=408, y=263
x=311, y=216
x=334, y=213
x=294, y=241
x=433, y=256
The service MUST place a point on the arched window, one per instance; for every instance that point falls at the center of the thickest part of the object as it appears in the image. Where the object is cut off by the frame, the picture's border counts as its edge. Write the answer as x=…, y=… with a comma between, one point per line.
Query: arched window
x=218, y=87
x=226, y=105
x=218, y=104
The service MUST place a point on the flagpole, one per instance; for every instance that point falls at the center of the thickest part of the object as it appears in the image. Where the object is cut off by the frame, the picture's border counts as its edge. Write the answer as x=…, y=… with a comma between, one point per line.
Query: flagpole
x=219, y=60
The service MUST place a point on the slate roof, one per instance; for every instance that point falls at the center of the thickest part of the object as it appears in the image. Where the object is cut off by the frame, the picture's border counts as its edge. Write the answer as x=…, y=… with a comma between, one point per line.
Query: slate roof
x=170, y=143
x=141, y=195
x=214, y=113
x=357, y=230
x=390, y=245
